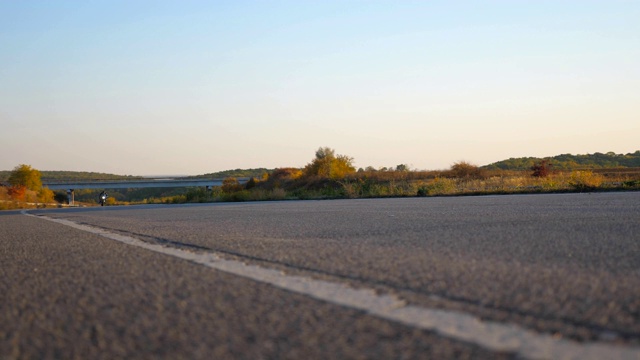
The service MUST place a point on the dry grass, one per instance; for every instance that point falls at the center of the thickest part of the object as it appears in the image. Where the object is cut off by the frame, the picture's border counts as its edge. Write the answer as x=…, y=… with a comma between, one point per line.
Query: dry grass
x=289, y=184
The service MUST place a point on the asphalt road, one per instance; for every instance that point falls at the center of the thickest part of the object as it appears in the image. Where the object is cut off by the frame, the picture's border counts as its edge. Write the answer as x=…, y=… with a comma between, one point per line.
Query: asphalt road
x=566, y=265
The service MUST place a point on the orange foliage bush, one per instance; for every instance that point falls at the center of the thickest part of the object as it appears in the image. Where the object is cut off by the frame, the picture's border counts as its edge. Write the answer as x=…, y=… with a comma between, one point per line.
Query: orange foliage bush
x=286, y=173
x=17, y=192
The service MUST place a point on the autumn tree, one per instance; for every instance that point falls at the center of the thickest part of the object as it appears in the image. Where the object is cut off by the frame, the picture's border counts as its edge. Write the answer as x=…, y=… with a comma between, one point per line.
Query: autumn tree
x=463, y=169
x=25, y=175
x=230, y=185
x=328, y=164
x=45, y=195
x=541, y=169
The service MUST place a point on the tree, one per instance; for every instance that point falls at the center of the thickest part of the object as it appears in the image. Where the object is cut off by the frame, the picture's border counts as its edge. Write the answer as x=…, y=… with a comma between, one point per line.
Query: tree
x=251, y=183
x=541, y=169
x=45, y=195
x=463, y=169
x=231, y=185
x=328, y=164
x=25, y=175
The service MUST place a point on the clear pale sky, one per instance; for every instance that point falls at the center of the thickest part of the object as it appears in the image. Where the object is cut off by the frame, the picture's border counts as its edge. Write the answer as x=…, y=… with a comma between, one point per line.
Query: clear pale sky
x=192, y=87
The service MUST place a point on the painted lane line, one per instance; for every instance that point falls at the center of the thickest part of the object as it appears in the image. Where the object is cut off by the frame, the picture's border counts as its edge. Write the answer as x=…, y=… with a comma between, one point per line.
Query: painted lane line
x=455, y=325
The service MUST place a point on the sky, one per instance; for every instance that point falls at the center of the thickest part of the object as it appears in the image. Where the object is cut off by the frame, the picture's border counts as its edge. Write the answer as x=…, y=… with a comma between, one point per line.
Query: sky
x=194, y=87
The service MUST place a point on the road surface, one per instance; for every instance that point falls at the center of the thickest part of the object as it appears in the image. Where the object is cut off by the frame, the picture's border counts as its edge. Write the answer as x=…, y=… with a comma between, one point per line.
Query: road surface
x=528, y=276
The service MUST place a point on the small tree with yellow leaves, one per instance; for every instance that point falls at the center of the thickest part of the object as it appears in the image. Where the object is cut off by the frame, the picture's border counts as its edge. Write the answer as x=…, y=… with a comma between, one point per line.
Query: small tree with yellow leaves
x=25, y=175
x=329, y=165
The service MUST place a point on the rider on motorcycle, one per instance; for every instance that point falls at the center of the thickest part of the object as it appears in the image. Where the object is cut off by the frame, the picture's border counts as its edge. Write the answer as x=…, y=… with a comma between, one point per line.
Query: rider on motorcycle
x=102, y=198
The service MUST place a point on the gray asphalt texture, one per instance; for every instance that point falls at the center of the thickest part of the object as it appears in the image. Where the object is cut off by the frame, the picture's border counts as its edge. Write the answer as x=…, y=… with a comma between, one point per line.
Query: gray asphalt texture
x=567, y=264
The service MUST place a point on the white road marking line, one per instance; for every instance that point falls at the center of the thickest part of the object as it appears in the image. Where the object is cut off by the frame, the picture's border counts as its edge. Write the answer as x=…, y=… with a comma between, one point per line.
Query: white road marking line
x=455, y=325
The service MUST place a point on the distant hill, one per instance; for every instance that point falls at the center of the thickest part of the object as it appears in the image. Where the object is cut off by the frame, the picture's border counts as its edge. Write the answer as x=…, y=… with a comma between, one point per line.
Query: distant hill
x=88, y=176
x=73, y=176
x=568, y=161
x=83, y=176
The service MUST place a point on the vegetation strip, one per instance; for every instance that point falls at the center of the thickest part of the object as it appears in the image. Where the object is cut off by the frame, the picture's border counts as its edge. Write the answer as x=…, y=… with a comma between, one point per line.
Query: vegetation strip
x=331, y=176
x=456, y=325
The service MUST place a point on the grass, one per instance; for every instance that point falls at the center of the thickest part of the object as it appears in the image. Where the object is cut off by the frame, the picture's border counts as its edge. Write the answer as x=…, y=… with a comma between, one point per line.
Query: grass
x=403, y=184
x=288, y=184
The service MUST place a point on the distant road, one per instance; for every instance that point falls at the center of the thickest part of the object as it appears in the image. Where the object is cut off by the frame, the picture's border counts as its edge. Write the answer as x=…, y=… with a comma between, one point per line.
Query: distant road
x=551, y=276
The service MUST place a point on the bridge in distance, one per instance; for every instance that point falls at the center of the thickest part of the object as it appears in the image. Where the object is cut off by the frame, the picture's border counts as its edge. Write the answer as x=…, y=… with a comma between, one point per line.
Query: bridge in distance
x=70, y=186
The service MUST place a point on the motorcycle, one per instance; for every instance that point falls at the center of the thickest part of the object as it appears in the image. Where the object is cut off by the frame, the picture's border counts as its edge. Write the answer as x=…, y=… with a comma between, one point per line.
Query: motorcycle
x=103, y=198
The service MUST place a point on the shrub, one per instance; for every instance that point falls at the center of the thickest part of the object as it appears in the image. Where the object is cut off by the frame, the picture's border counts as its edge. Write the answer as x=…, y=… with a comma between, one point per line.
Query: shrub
x=585, y=180
x=350, y=190
x=61, y=197
x=329, y=165
x=439, y=186
x=231, y=185
x=631, y=183
x=463, y=169
x=241, y=195
x=17, y=192
x=178, y=199
x=198, y=195
x=281, y=177
x=541, y=169
x=286, y=173
x=251, y=183
x=45, y=195
x=277, y=194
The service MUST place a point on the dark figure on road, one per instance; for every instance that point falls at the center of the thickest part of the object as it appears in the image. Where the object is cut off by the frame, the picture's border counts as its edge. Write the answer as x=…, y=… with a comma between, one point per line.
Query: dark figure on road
x=103, y=198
